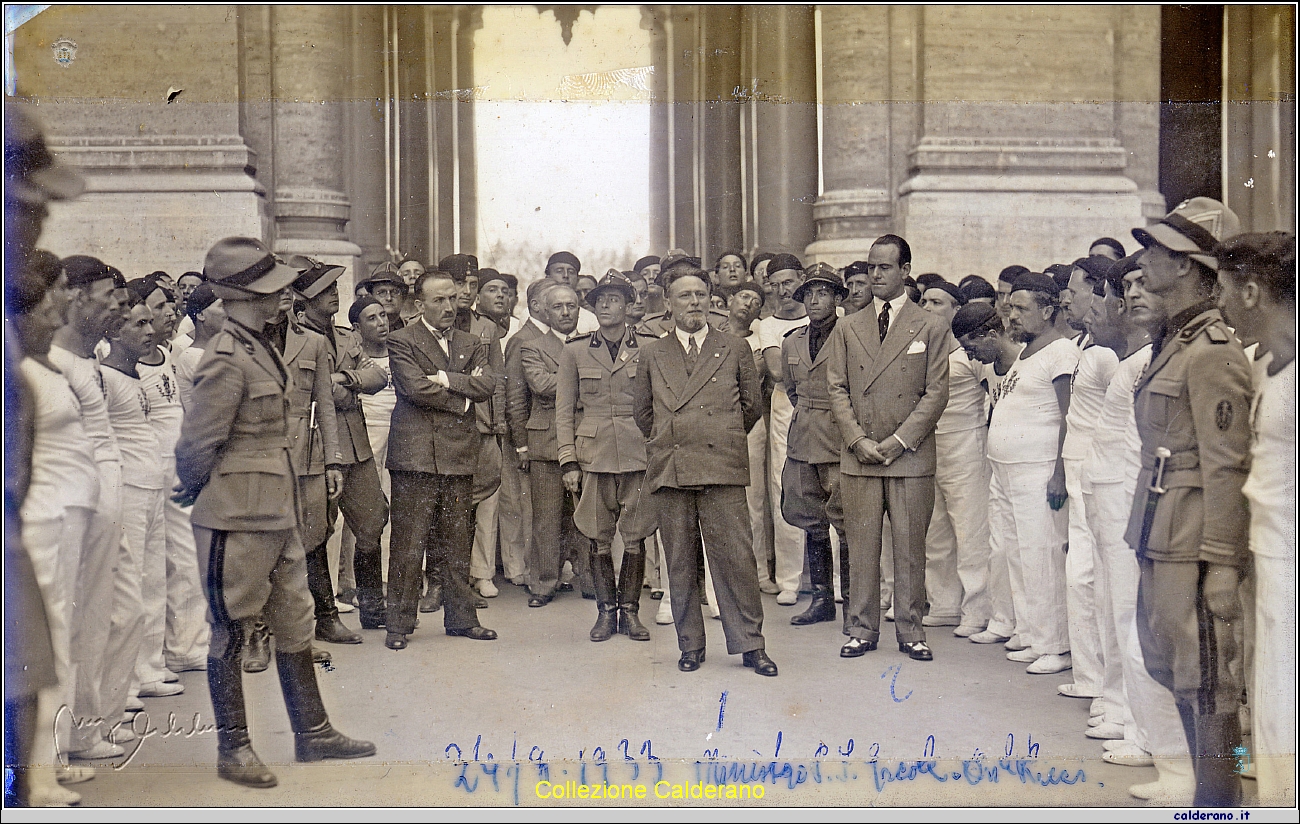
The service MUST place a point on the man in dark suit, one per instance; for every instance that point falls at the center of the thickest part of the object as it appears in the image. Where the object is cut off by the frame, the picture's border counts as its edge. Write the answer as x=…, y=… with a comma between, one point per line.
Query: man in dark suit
x=888, y=382
x=439, y=374
x=696, y=396
x=530, y=409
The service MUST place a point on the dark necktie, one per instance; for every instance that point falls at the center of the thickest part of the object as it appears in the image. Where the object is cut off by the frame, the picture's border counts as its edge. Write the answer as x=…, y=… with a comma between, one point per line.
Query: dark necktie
x=884, y=322
x=692, y=355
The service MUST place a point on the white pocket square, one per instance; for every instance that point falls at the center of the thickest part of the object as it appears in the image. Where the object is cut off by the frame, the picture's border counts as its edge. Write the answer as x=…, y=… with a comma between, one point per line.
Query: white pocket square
x=917, y=347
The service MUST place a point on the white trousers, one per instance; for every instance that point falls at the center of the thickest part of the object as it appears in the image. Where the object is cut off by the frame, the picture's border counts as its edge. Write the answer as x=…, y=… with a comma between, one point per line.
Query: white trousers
x=1029, y=538
x=483, y=557
x=1082, y=598
x=787, y=540
x=957, y=542
x=126, y=620
x=185, y=639
x=1273, y=716
x=1150, y=717
x=760, y=514
x=514, y=515
x=146, y=532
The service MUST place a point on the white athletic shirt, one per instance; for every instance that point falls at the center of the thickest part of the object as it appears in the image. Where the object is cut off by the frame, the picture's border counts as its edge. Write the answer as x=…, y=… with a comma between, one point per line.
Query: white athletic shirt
x=84, y=378
x=128, y=411
x=1026, y=425
x=966, y=395
x=1270, y=487
x=64, y=473
x=377, y=409
x=1115, y=455
x=187, y=363
x=772, y=330
x=162, y=386
x=1097, y=365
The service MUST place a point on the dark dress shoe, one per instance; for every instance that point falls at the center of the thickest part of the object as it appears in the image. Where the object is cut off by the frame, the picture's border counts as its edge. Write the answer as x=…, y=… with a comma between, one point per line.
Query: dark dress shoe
x=691, y=660
x=917, y=651
x=326, y=742
x=473, y=633
x=242, y=766
x=257, y=655
x=480, y=602
x=566, y=587
x=758, y=661
x=320, y=656
x=821, y=609
x=431, y=601
x=857, y=647
x=332, y=631
x=538, y=600
x=395, y=640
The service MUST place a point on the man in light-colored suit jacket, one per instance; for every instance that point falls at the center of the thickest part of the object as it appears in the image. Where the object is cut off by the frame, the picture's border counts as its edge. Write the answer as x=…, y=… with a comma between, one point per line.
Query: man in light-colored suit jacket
x=696, y=396
x=888, y=381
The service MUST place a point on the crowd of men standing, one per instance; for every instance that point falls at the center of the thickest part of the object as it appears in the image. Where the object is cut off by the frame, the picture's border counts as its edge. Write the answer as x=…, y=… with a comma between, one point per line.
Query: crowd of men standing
x=1092, y=466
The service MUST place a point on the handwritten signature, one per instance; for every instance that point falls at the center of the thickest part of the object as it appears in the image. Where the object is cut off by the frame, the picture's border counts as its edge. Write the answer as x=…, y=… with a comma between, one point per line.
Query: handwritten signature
x=141, y=727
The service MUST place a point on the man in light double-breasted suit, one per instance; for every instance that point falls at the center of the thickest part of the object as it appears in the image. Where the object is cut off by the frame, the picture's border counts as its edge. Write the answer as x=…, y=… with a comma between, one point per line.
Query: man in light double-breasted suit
x=888, y=382
x=696, y=396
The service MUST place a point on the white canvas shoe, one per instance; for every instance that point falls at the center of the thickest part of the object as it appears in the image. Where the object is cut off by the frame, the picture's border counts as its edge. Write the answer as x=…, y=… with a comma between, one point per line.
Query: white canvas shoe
x=1049, y=664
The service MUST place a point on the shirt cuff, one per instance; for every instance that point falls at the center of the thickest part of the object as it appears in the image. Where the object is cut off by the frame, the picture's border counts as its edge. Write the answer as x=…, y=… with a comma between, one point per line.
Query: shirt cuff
x=900, y=440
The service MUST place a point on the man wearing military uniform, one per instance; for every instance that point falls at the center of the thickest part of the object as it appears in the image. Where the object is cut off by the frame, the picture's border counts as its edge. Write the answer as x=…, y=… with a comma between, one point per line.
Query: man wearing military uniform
x=602, y=454
x=1189, y=519
x=810, y=479
x=235, y=464
x=362, y=501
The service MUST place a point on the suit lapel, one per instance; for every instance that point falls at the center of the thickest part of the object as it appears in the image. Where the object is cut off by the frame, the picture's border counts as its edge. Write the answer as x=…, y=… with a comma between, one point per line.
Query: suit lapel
x=711, y=354
x=672, y=365
x=428, y=345
x=902, y=332
x=864, y=328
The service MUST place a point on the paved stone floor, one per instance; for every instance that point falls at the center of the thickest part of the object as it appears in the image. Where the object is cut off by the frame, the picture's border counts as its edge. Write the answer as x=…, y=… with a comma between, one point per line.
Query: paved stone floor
x=460, y=722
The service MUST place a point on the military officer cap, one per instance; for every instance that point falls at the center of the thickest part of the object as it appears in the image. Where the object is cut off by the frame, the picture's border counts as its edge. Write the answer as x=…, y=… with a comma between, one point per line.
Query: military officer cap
x=1194, y=228
x=564, y=257
x=648, y=260
x=678, y=258
x=857, y=267
x=83, y=270
x=459, y=266
x=820, y=273
x=972, y=317
x=32, y=175
x=242, y=268
x=314, y=276
x=782, y=262
x=613, y=281
x=486, y=276
x=384, y=273
x=1037, y=282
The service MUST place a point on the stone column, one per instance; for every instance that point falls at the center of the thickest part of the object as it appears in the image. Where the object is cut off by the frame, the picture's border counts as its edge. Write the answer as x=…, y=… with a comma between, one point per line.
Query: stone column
x=165, y=180
x=780, y=66
x=1018, y=161
x=1137, y=102
x=308, y=81
x=856, y=93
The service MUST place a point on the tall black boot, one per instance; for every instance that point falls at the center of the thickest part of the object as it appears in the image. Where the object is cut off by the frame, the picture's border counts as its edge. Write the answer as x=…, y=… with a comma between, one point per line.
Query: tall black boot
x=313, y=737
x=817, y=546
x=236, y=760
x=629, y=593
x=370, y=603
x=602, y=575
x=328, y=626
x=1217, y=781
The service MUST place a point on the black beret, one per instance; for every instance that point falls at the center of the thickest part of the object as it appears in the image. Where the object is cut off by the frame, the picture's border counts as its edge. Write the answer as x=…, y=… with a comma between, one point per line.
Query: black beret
x=783, y=261
x=1095, y=265
x=486, y=276
x=84, y=269
x=648, y=260
x=971, y=317
x=749, y=286
x=929, y=278
x=857, y=267
x=1108, y=241
x=1012, y=272
x=564, y=257
x=1036, y=282
x=200, y=299
x=359, y=305
x=1118, y=269
x=976, y=287
x=944, y=286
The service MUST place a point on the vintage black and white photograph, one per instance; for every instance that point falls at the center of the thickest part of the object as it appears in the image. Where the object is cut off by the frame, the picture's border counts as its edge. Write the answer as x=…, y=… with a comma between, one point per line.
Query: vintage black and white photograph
x=739, y=407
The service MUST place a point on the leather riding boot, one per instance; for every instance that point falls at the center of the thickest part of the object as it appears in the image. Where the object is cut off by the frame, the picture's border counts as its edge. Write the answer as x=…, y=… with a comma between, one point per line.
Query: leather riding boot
x=318, y=582
x=313, y=737
x=257, y=657
x=331, y=630
x=844, y=593
x=629, y=594
x=822, y=607
x=602, y=575
x=1217, y=782
x=236, y=760
x=370, y=603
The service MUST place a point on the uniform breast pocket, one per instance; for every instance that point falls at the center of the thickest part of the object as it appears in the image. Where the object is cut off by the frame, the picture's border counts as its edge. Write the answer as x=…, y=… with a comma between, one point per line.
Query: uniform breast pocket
x=265, y=401
x=589, y=378
x=304, y=382
x=1164, y=403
